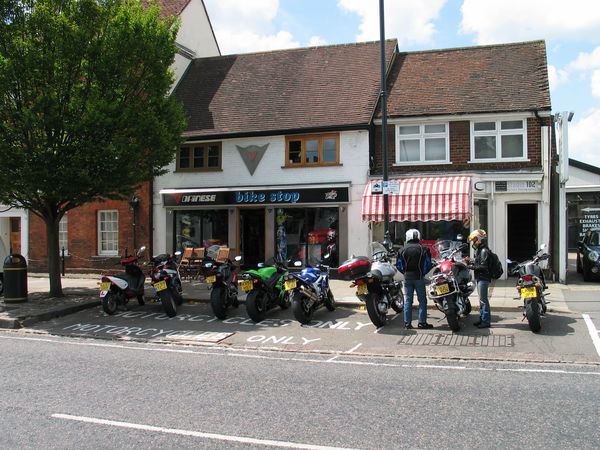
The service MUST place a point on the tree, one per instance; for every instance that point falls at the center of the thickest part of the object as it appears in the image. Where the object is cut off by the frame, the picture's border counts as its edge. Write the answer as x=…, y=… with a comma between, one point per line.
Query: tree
x=85, y=113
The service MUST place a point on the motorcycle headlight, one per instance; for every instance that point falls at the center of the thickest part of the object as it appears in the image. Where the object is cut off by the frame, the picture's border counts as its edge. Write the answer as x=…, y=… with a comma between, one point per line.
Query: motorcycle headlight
x=593, y=256
x=208, y=265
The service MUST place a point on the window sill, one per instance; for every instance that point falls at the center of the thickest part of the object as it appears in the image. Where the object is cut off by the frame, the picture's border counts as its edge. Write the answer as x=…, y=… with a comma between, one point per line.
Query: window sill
x=303, y=166
x=197, y=170
x=504, y=160
x=421, y=163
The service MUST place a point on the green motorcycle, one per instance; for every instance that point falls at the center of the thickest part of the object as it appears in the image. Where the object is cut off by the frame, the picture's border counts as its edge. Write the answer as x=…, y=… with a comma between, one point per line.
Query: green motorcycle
x=264, y=287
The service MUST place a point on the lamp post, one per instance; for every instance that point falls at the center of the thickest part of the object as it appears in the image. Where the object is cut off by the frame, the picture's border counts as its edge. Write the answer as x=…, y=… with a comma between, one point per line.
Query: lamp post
x=386, y=208
x=134, y=203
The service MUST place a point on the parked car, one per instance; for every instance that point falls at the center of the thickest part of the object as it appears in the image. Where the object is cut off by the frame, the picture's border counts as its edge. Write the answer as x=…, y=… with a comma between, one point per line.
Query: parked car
x=588, y=254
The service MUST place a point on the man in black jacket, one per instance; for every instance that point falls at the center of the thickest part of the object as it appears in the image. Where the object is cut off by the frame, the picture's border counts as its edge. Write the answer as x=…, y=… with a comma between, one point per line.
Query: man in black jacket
x=481, y=270
x=414, y=261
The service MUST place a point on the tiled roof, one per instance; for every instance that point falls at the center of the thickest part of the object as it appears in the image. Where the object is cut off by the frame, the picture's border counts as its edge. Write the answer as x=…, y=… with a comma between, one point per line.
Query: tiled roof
x=172, y=7
x=307, y=88
x=495, y=78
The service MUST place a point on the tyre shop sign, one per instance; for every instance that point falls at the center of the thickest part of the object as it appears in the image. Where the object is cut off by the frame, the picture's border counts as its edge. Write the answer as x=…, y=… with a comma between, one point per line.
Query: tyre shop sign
x=257, y=197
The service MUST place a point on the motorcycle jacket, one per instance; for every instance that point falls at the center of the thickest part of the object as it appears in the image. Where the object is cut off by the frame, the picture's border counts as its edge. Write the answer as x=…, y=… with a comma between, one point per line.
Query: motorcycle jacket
x=414, y=261
x=481, y=265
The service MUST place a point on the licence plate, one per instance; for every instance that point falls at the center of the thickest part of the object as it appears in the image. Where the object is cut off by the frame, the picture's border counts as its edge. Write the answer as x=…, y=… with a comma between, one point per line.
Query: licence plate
x=211, y=279
x=361, y=289
x=105, y=286
x=247, y=285
x=442, y=289
x=289, y=284
x=160, y=286
x=528, y=292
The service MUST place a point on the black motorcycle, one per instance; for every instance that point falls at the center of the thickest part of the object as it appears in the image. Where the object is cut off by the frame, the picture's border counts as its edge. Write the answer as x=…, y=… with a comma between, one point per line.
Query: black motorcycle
x=223, y=277
x=374, y=282
x=531, y=286
x=166, y=281
x=116, y=290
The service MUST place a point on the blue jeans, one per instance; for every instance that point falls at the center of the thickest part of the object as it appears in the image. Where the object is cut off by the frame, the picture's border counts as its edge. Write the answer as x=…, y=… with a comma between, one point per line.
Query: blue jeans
x=410, y=286
x=484, y=302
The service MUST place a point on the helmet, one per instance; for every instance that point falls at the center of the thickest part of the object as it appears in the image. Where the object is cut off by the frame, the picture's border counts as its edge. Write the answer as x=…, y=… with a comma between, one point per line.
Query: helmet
x=477, y=238
x=413, y=234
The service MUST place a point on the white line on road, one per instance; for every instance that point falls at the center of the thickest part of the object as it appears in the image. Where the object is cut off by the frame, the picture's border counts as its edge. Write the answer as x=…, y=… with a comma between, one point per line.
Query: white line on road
x=593, y=332
x=353, y=348
x=198, y=434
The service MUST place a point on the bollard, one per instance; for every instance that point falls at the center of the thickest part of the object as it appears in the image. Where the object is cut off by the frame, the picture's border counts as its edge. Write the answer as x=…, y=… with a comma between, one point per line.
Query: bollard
x=15, y=279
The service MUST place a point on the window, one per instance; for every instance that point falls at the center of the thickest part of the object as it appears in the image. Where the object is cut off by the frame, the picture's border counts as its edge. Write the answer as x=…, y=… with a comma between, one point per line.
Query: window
x=314, y=150
x=201, y=156
x=108, y=233
x=201, y=228
x=499, y=140
x=424, y=144
x=62, y=235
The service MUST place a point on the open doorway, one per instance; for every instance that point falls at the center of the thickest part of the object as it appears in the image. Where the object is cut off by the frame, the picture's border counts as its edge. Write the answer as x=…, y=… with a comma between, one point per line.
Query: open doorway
x=252, y=236
x=522, y=230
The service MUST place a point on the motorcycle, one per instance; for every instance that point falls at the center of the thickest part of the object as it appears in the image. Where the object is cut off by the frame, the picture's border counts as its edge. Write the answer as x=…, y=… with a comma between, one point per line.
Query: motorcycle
x=166, y=281
x=374, y=282
x=451, y=283
x=224, y=293
x=264, y=288
x=309, y=290
x=116, y=290
x=531, y=285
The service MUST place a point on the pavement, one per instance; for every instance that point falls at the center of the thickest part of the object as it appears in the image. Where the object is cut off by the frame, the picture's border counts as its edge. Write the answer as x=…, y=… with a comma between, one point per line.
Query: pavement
x=81, y=292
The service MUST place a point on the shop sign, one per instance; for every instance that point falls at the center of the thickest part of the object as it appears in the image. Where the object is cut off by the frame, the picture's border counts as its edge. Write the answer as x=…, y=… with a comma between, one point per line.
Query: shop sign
x=589, y=219
x=259, y=197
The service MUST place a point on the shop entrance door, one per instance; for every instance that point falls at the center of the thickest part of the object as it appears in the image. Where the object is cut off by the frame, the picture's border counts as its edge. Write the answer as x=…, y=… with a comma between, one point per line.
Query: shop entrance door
x=252, y=236
x=522, y=229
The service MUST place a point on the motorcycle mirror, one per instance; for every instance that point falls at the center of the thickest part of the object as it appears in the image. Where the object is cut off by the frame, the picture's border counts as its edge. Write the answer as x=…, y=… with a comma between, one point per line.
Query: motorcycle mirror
x=542, y=247
x=141, y=250
x=298, y=263
x=509, y=261
x=261, y=264
x=459, y=237
x=238, y=258
x=177, y=253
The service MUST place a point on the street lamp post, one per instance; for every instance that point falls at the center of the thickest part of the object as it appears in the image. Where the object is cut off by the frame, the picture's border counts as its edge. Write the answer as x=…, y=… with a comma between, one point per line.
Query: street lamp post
x=386, y=208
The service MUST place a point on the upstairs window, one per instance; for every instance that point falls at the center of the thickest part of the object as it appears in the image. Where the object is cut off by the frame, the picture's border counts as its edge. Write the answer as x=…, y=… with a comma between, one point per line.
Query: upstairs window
x=312, y=150
x=500, y=140
x=422, y=144
x=199, y=157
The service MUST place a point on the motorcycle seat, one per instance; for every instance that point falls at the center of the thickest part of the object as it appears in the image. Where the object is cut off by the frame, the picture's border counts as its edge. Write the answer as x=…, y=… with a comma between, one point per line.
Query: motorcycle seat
x=134, y=283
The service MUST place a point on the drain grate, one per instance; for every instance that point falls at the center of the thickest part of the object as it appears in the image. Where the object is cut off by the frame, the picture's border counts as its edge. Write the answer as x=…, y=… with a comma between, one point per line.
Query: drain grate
x=457, y=340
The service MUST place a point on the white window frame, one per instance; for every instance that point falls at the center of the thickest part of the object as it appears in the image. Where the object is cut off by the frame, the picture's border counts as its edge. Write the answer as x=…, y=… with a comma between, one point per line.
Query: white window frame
x=63, y=235
x=498, y=132
x=422, y=136
x=114, y=233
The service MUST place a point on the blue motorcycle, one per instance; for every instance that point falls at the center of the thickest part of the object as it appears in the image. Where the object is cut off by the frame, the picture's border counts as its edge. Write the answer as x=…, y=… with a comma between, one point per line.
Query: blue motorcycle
x=308, y=290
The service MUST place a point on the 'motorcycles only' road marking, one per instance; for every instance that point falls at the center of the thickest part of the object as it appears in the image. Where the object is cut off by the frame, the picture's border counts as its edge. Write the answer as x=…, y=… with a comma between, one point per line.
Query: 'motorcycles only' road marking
x=197, y=434
x=593, y=332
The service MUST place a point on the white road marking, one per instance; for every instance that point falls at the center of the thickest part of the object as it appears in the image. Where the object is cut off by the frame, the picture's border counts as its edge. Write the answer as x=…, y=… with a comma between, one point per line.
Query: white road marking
x=593, y=332
x=353, y=348
x=332, y=358
x=235, y=353
x=198, y=434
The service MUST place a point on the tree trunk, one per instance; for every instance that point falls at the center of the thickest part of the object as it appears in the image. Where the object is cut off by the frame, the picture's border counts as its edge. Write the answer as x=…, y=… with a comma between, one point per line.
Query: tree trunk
x=53, y=257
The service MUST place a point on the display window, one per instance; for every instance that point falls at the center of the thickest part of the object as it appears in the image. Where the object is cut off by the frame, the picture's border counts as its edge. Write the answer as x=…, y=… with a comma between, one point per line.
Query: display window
x=200, y=228
x=307, y=234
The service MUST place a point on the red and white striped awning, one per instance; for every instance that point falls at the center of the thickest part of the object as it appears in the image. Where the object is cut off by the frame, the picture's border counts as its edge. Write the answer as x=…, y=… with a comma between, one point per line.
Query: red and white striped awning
x=422, y=199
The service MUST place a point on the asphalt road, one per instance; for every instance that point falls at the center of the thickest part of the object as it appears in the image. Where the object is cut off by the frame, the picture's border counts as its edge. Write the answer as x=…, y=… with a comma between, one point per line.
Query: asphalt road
x=60, y=392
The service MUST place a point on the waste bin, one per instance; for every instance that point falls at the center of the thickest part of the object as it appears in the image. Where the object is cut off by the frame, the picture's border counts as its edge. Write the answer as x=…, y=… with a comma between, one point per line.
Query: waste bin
x=15, y=279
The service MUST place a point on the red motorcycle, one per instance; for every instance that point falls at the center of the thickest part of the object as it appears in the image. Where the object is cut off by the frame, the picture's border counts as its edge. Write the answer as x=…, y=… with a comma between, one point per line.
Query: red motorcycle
x=450, y=285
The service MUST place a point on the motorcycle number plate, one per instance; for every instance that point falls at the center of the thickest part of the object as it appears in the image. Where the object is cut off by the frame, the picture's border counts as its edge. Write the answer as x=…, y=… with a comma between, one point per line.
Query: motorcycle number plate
x=361, y=289
x=211, y=279
x=247, y=285
x=105, y=286
x=528, y=292
x=442, y=289
x=160, y=286
x=289, y=284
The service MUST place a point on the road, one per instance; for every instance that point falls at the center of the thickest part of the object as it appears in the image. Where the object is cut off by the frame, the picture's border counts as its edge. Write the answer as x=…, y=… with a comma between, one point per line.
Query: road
x=64, y=392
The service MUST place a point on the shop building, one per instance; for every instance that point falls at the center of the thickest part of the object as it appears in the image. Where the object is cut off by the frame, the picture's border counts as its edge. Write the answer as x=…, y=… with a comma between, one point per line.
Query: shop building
x=276, y=156
x=583, y=200
x=470, y=135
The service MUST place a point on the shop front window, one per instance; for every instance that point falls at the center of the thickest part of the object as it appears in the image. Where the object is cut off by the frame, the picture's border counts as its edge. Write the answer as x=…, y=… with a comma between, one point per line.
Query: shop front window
x=201, y=228
x=309, y=235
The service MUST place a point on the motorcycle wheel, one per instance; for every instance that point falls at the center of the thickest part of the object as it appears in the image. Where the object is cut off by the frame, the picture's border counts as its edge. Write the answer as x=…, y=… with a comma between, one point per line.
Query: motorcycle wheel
x=285, y=301
x=378, y=318
x=109, y=303
x=467, y=308
x=256, y=306
x=398, y=303
x=218, y=301
x=301, y=313
x=140, y=299
x=168, y=302
x=330, y=301
x=452, y=319
x=178, y=293
x=532, y=312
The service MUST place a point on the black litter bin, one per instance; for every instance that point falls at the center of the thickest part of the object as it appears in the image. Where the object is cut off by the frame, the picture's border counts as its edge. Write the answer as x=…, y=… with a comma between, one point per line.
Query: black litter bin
x=15, y=279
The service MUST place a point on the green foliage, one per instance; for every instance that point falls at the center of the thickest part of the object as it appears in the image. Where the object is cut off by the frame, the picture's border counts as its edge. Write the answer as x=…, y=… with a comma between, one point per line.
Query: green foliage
x=85, y=113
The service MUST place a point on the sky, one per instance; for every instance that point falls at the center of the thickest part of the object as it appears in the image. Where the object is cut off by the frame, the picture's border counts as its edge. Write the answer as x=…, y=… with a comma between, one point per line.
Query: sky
x=571, y=30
